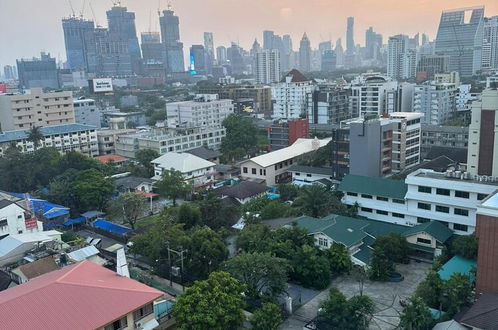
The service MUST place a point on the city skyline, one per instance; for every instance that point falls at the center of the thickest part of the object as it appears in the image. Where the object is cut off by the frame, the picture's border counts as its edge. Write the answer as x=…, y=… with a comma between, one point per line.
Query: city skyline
x=283, y=17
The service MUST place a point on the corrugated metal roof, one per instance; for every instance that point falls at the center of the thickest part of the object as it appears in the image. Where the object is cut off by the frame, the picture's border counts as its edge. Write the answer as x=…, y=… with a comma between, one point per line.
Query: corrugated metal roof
x=46, y=131
x=83, y=253
x=373, y=186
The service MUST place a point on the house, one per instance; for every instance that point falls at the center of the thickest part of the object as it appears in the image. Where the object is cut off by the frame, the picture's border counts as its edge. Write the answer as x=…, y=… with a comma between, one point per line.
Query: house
x=15, y=218
x=312, y=174
x=115, y=160
x=80, y=296
x=359, y=234
x=14, y=247
x=29, y=271
x=273, y=166
x=206, y=154
x=89, y=253
x=242, y=192
x=195, y=170
x=133, y=184
x=226, y=172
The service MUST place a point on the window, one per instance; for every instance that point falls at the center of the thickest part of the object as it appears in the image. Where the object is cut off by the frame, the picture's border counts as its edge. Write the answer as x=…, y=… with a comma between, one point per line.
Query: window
x=424, y=240
x=382, y=212
x=366, y=196
x=422, y=220
x=3, y=223
x=424, y=206
x=441, y=191
x=480, y=197
x=323, y=242
x=253, y=170
x=442, y=209
x=457, y=226
x=143, y=312
x=351, y=194
x=398, y=215
x=366, y=209
x=424, y=189
x=308, y=175
x=398, y=201
x=461, y=194
x=461, y=212
x=244, y=169
x=382, y=199
x=297, y=174
x=119, y=324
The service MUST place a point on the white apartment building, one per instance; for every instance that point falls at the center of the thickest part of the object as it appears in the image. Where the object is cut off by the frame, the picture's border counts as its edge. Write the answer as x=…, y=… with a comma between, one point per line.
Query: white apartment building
x=406, y=140
x=195, y=170
x=106, y=139
x=35, y=108
x=401, y=60
x=290, y=96
x=464, y=97
x=436, y=101
x=64, y=138
x=369, y=94
x=450, y=198
x=206, y=110
x=268, y=66
x=169, y=140
x=86, y=112
x=15, y=219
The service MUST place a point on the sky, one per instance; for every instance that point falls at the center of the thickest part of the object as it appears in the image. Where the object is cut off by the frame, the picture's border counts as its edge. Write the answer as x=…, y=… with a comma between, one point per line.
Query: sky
x=31, y=26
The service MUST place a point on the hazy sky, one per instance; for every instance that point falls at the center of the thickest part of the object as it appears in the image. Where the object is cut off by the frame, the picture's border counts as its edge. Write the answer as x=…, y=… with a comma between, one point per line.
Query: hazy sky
x=29, y=26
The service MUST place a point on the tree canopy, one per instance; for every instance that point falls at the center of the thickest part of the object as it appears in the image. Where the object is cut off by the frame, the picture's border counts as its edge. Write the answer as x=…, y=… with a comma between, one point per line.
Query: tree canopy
x=465, y=246
x=268, y=317
x=172, y=185
x=129, y=207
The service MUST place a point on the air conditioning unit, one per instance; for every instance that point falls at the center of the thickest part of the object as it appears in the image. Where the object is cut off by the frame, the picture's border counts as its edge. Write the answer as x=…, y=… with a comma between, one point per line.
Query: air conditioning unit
x=175, y=271
x=138, y=325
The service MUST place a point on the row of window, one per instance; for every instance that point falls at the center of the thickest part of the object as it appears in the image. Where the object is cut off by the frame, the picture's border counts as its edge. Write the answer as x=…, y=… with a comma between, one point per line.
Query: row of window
x=446, y=192
x=379, y=198
x=394, y=214
x=443, y=209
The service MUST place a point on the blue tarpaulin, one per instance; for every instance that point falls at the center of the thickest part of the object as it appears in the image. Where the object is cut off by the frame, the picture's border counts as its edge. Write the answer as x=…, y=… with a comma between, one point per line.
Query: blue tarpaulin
x=40, y=206
x=111, y=227
x=74, y=221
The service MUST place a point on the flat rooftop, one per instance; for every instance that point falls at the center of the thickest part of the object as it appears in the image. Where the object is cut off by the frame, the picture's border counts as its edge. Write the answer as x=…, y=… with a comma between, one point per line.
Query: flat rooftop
x=479, y=179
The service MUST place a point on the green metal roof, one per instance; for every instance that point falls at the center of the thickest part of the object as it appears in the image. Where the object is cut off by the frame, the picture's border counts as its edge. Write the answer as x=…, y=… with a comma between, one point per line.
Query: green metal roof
x=381, y=228
x=373, y=186
x=363, y=254
x=434, y=228
x=455, y=265
x=421, y=247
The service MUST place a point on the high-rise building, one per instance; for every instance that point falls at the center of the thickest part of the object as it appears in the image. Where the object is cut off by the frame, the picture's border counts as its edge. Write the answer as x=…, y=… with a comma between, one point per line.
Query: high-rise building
x=339, y=52
x=153, y=54
x=305, y=54
x=373, y=43
x=328, y=105
x=324, y=46
x=209, y=47
x=328, y=61
x=350, y=45
x=38, y=72
x=170, y=34
x=234, y=56
x=121, y=23
x=483, y=137
x=401, y=59
x=221, y=55
x=109, y=54
x=9, y=72
x=268, y=66
x=290, y=95
x=437, y=101
x=406, y=140
x=76, y=33
x=490, y=44
x=369, y=93
x=429, y=65
x=460, y=36
x=268, y=38
x=197, y=60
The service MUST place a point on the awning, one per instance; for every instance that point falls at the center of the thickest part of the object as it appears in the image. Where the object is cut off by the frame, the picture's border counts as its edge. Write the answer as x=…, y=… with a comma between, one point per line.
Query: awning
x=74, y=221
x=92, y=214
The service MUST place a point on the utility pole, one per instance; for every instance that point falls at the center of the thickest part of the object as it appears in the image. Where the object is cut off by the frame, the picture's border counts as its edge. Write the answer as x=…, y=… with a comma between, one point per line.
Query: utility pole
x=181, y=255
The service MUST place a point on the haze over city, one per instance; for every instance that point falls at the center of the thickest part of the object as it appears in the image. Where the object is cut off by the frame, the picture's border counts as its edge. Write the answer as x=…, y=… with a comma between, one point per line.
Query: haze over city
x=229, y=20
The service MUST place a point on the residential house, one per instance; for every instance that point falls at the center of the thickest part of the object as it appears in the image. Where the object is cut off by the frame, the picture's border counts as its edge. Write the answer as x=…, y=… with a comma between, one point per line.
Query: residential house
x=110, y=159
x=206, y=154
x=15, y=218
x=14, y=247
x=243, y=191
x=29, y=271
x=312, y=174
x=133, y=184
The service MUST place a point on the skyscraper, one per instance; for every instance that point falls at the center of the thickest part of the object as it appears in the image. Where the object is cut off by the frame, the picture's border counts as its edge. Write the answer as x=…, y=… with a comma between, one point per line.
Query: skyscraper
x=9, y=72
x=170, y=34
x=221, y=55
x=329, y=61
x=268, y=66
x=350, y=45
x=209, y=47
x=153, y=54
x=76, y=31
x=305, y=54
x=324, y=45
x=339, y=53
x=198, y=59
x=460, y=36
x=397, y=47
x=234, y=55
x=373, y=43
x=38, y=72
x=490, y=45
x=268, y=37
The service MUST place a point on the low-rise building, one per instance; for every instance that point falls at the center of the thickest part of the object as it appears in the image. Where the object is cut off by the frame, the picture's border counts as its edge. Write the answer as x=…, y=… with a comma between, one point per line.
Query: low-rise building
x=242, y=192
x=106, y=139
x=114, y=160
x=64, y=138
x=311, y=173
x=86, y=112
x=123, y=120
x=284, y=133
x=273, y=166
x=443, y=136
x=206, y=154
x=132, y=184
x=15, y=216
x=205, y=110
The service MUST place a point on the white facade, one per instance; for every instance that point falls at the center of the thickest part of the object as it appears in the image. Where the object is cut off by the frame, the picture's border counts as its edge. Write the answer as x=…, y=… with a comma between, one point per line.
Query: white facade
x=86, y=112
x=436, y=101
x=406, y=139
x=290, y=98
x=464, y=97
x=490, y=44
x=268, y=66
x=204, y=111
x=369, y=94
x=13, y=220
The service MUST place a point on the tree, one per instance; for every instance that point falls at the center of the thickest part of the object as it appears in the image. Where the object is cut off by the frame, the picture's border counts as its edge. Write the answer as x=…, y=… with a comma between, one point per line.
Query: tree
x=465, y=246
x=240, y=137
x=459, y=292
x=340, y=261
x=276, y=209
x=416, y=315
x=431, y=290
x=144, y=157
x=331, y=314
x=360, y=275
x=189, y=215
x=36, y=136
x=380, y=264
x=92, y=189
x=268, y=317
x=172, y=185
x=256, y=205
x=206, y=252
x=216, y=303
x=311, y=269
x=317, y=201
x=130, y=206
x=360, y=310
x=262, y=273
x=288, y=191
x=254, y=238
x=387, y=250
x=214, y=215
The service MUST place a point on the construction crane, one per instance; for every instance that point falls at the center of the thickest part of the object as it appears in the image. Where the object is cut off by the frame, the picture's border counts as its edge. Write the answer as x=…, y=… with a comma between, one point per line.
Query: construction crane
x=72, y=9
x=93, y=14
x=82, y=9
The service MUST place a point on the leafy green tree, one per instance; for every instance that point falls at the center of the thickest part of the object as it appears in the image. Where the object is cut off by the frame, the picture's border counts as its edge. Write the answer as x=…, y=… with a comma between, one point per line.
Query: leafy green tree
x=240, y=137
x=459, y=292
x=288, y=191
x=206, y=252
x=380, y=264
x=311, y=269
x=416, y=315
x=262, y=273
x=360, y=310
x=189, y=215
x=216, y=303
x=172, y=185
x=144, y=158
x=268, y=317
x=276, y=209
x=394, y=246
x=317, y=201
x=465, y=246
x=254, y=238
x=338, y=256
x=93, y=190
x=214, y=215
x=331, y=314
x=256, y=205
x=35, y=136
x=431, y=290
x=128, y=206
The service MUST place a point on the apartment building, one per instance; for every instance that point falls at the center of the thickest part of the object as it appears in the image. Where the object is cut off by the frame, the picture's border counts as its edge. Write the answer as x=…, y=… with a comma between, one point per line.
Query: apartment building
x=35, y=108
x=328, y=105
x=290, y=96
x=284, y=133
x=64, y=138
x=450, y=198
x=443, y=136
x=106, y=139
x=406, y=140
x=368, y=94
x=15, y=218
x=437, y=101
x=86, y=112
x=206, y=110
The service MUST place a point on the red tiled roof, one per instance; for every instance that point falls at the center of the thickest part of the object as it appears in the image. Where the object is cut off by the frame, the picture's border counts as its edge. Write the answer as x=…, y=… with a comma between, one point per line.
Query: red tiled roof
x=110, y=158
x=80, y=296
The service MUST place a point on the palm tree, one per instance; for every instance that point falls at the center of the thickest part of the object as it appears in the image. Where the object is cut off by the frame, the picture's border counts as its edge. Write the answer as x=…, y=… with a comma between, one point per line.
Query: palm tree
x=314, y=200
x=35, y=136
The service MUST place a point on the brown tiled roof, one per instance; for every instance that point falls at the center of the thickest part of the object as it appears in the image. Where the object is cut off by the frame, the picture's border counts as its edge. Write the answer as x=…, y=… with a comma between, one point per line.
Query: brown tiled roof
x=296, y=75
x=483, y=314
x=39, y=267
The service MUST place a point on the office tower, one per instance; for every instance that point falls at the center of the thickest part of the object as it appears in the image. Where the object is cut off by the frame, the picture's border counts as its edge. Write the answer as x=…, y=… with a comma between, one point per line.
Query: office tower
x=287, y=41
x=256, y=48
x=197, y=59
x=35, y=108
x=170, y=34
x=437, y=101
x=324, y=45
x=209, y=44
x=373, y=43
x=268, y=66
x=109, y=54
x=425, y=39
x=121, y=24
x=234, y=56
x=429, y=65
x=153, y=54
x=350, y=45
x=460, y=36
x=328, y=104
x=9, y=72
x=290, y=95
x=76, y=32
x=268, y=38
x=339, y=52
x=38, y=72
x=490, y=44
x=328, y=61
x=483, y=137
x=305, y=54
x=414, y=42
x=221, y=55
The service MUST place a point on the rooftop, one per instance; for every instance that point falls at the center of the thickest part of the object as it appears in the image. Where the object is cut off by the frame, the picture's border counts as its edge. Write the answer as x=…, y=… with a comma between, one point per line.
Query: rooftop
x=483, y=314
x=38, y=267
x=204, y=153
x=183, y=162
x=457, y=265
x=455, y=176
x=373, y=186
x=296, y=75
x=110, y=158
x=46, y=131
x=80, y=296
x=456, y=154
x=312, y=169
